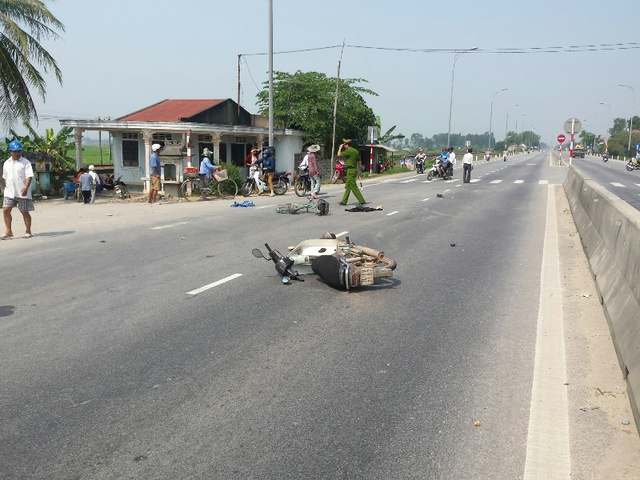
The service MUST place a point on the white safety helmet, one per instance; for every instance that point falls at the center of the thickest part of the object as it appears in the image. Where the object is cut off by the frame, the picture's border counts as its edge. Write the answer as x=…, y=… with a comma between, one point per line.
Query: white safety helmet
x=155, y=147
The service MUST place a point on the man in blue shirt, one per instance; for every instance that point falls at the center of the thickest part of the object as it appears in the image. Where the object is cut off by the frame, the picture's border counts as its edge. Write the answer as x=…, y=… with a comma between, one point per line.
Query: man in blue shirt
x=206, y=169
x=444, y=163
x=155, y=171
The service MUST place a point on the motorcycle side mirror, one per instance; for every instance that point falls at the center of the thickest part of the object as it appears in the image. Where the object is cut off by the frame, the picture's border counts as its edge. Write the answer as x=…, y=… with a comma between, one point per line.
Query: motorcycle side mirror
x=258, y=254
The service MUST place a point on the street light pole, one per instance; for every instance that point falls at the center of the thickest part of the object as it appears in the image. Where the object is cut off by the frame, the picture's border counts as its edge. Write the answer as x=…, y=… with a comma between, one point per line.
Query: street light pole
x=506, y=126
x=453, y=71
x=491, y=113
x=609, y=123
x=633, y=109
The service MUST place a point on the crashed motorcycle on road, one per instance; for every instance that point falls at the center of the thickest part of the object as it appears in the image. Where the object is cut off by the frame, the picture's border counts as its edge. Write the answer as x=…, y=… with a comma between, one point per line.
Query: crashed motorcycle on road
x=340, y=263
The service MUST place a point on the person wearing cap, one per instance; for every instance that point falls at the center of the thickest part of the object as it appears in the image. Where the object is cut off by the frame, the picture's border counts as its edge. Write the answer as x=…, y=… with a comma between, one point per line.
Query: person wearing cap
x=155, y=171
x=96, y=182
x=206, y=169
x=354, y=170
x=17, y=173
x=314, y=170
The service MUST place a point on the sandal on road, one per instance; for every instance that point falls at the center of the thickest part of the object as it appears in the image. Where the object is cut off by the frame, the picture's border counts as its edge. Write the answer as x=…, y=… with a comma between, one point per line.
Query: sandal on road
x=6, y=237
x=27, y=235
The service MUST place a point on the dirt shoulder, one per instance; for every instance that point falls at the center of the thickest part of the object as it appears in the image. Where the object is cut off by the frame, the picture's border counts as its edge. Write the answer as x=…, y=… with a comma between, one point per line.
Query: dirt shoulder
x=604, y=436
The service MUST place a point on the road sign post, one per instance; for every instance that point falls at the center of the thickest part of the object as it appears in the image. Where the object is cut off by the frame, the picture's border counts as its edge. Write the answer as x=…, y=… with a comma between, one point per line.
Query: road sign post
x=572, y=126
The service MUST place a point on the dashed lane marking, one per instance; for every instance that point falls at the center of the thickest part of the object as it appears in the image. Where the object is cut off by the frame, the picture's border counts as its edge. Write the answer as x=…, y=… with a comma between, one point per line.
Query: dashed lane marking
x=543, y=182
x=495, y=181
x=519, y=181
x=616, y=184
x=214, y=284
x=425, y=199
x=171, y=225
x=392, y=213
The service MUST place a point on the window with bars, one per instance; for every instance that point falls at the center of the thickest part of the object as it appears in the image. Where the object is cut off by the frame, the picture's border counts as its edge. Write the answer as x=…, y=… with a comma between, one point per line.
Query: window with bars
x=130, y=150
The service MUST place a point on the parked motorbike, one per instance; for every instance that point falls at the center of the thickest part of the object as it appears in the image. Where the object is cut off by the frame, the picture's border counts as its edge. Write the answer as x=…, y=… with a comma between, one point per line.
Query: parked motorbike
x=633, y=165
x=435, y=171
x=120, y=188
x=340, y=263
x=259, y=184
x=340, y=171
x=302, y=185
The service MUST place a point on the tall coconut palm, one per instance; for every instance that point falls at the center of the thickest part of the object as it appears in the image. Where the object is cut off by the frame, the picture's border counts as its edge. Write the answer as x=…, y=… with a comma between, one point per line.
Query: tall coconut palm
x=23, y=24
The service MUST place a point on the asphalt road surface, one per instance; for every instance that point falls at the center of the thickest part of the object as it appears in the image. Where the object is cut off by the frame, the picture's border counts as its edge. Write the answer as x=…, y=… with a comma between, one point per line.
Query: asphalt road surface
x=147, y=342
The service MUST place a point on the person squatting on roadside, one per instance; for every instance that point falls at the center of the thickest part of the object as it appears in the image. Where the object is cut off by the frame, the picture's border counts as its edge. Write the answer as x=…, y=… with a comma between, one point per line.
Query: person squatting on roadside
x=87, y=186
x=155, y=171
x=354, y=170
x=467, y=166
x=18, y=175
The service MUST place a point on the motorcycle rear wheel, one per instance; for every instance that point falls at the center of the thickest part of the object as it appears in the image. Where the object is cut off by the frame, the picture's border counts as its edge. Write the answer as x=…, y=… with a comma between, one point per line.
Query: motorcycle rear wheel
x=300, y=188
x=279, y=187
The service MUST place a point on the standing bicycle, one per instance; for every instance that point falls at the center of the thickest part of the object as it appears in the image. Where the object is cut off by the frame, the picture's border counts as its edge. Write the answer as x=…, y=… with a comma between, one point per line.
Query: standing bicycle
x=219, y=185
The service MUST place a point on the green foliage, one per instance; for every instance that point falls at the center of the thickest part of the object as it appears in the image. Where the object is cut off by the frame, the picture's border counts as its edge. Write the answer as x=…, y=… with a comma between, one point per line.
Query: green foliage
x=52, y=147
x=305, y=101
x=23, y=24
x=619, y=142
x=234, y=173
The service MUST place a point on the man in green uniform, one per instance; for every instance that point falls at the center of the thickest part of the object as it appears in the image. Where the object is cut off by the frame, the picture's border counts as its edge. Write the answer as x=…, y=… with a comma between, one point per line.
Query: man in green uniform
x=354, y=169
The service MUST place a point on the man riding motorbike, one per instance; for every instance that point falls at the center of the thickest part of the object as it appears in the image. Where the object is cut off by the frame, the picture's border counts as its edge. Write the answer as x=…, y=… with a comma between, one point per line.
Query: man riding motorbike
x=444, y=163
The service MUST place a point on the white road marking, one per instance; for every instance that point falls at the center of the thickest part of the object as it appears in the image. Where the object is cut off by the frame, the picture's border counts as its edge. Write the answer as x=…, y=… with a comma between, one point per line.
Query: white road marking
x=637, y=184
x=392, y=213
x=214, y=284
x=548, y=454
x=495, y=181
x=475, y=180
x=616, y=184
x=519, y=181
x=425, y=199
x=409, y=181
x=543, y=182
x=169, y=226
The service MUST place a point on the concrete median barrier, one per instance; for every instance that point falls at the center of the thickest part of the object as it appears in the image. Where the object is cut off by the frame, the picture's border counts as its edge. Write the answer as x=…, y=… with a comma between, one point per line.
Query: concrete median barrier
x=610, y=232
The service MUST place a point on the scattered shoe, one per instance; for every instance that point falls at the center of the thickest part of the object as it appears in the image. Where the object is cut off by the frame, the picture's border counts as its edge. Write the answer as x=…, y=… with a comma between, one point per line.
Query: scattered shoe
x=342, y=203
x=6, y=237
x=27, y=235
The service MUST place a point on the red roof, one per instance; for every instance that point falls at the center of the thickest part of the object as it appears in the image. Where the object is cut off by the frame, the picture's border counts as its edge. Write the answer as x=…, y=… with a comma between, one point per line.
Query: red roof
x=171, y=110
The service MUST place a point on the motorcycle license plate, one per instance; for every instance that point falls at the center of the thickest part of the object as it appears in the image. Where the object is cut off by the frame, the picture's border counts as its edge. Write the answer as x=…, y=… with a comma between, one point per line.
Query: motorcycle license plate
x=366, y=276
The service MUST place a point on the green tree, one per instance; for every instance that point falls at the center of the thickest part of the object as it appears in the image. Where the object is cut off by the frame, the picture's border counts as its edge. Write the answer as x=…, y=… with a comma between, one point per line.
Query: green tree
x=52, y=147
x=23, y=24
x=388, y=137
x=305, y=101
x=619, y=125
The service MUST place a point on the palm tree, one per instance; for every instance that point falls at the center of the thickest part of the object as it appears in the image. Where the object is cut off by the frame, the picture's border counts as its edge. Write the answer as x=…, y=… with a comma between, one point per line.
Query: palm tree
x=20, y=54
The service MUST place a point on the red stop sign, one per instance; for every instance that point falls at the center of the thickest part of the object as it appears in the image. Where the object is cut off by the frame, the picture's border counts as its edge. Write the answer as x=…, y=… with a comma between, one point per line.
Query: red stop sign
x=561, y=138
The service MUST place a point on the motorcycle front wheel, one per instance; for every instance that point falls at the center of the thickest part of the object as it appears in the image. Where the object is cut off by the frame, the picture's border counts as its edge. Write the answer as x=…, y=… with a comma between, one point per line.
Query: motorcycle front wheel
x=430, y=175
x=279, y=186
x=630, y=167
x=335, y=177
x=300, y=188
x=247, y=188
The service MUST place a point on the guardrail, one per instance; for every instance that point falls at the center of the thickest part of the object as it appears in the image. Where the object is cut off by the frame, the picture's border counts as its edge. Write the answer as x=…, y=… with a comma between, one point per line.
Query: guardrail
x=610, y=232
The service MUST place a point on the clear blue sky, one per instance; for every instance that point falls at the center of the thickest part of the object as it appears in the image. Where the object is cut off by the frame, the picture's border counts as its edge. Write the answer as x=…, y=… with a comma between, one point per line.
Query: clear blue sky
x=118, y=56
